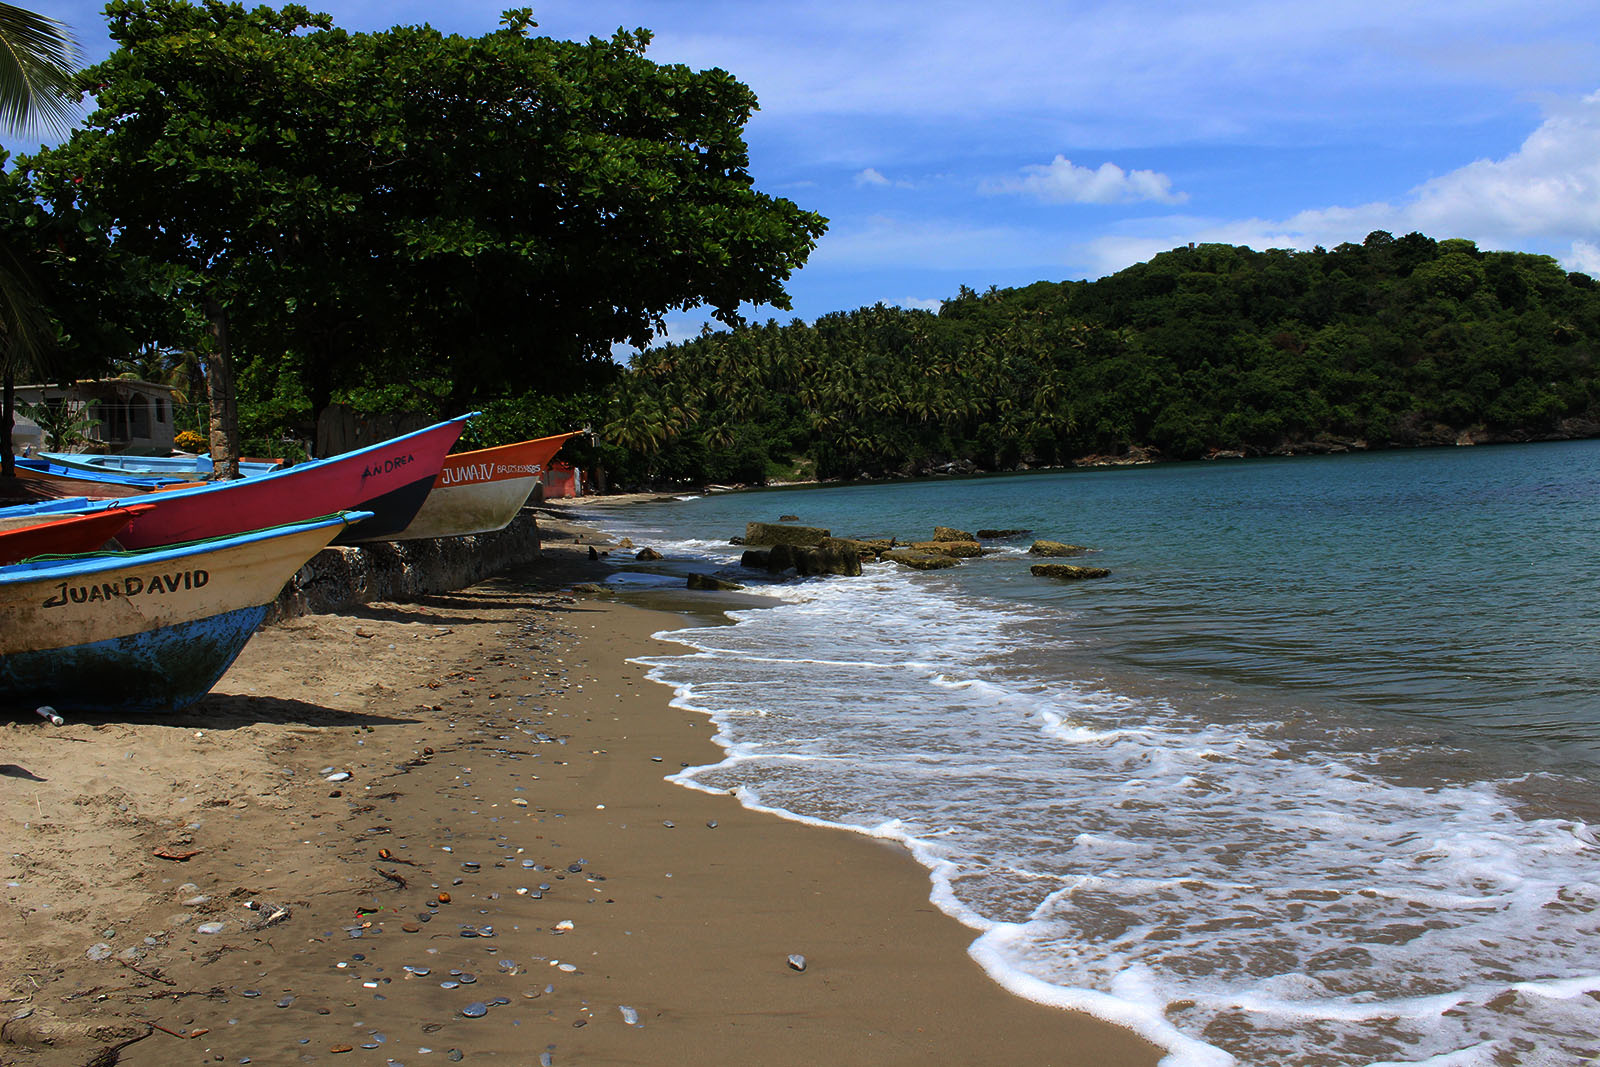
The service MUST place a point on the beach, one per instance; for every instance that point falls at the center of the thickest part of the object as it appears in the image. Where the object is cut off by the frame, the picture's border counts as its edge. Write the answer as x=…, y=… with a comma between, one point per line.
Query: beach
x=441, y=831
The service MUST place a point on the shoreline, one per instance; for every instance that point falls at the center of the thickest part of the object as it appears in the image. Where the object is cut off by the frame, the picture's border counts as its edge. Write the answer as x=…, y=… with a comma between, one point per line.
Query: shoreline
x=497, y=739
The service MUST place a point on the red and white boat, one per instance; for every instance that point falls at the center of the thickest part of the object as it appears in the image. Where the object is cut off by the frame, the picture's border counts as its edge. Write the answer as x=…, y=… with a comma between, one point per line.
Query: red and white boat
x=478, y=492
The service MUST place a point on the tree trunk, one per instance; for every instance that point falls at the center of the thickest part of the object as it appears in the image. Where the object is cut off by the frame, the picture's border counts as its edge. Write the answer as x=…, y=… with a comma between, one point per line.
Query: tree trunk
x=8, y=406
x=219, y=388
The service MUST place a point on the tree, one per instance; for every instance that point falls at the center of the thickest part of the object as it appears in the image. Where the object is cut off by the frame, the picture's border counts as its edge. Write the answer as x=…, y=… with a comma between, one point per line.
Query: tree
x=409, y=204
x=37, y=59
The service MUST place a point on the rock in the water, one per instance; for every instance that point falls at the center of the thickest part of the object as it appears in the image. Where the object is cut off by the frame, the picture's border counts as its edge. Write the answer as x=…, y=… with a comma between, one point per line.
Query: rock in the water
x=920, y=561
x=867, y=549
x=769, y=533
x=956, y=549
x=950, y=533
x=788, y=518
x=647, y=555
x=1057, y=548
x=755, y=557
x=807, y=561
x=1066, y=571
x=706, y=581
x=626, y=542
x=1001, y=535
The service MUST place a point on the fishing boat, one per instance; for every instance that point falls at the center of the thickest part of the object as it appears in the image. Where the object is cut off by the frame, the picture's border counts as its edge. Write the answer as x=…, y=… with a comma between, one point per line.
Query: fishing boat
x=50, y=479
x=480, y=491
x=390, y=480
x=180, y=468
x=28, y=514
x=67, y=534
x=143, y=632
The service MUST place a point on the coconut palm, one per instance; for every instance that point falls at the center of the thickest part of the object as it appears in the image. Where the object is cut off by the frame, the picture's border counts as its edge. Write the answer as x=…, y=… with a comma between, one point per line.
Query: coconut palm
x=37, y=59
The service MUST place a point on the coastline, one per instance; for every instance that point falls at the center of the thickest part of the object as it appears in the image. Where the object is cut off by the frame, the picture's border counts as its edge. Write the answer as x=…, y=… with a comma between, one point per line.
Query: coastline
x=482, y=730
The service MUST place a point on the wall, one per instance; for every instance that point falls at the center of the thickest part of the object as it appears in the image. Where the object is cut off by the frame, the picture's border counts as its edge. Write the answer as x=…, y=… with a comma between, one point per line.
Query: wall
x=404, y=570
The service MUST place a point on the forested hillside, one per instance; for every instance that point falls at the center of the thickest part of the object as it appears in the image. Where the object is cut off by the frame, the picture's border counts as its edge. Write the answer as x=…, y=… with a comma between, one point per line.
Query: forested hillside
x=1390, y=343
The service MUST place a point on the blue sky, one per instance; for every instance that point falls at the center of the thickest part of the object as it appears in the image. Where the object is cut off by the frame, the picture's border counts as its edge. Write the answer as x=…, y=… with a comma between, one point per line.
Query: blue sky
x=1013, y=141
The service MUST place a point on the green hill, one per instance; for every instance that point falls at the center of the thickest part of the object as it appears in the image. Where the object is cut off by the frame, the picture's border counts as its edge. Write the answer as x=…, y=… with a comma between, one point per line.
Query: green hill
x=1394, y=342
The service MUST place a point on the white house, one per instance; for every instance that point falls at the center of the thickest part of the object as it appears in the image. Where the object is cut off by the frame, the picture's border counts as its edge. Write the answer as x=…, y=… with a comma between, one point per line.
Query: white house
x=129, y=416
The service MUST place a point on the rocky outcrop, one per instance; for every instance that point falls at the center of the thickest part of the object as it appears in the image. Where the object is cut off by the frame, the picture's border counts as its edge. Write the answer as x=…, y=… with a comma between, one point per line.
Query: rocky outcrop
x=920, y=561
x=868, y=550
x=950, y=533
x=954, y=549
x=707, y=582
x=1001, y=535
x=1057, y=548
x=806, y=561
x=770, y=533
x=1067, y=572
x=647, y=555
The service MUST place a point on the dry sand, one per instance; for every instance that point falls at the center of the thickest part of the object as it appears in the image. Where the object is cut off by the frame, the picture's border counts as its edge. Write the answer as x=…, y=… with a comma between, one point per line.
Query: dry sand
x=497, y=741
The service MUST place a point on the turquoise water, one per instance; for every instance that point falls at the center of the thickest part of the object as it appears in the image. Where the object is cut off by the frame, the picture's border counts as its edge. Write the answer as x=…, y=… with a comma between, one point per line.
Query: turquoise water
x=1307, y=780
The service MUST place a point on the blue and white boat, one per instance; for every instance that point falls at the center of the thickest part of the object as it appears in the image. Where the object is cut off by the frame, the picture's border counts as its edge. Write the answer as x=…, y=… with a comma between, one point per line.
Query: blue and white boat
x=147, y=631
x=184, y=468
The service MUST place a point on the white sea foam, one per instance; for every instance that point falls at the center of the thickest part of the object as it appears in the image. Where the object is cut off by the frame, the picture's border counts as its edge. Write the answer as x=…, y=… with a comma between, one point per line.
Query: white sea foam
x=1237, y=886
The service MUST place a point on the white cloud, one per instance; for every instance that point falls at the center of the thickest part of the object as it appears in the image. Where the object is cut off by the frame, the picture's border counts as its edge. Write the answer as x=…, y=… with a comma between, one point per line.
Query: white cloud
x=1585, y=257
x=1063, y=182
x=871, y=176
x=917, y=303
x=1545, y=195
x=1550, y=187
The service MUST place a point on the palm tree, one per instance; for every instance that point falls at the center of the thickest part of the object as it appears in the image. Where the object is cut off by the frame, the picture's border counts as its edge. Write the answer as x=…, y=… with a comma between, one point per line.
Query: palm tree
x=38, y=57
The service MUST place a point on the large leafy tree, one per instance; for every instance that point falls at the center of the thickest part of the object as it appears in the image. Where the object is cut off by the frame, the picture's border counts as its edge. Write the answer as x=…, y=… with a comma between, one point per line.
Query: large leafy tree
x=410, y=205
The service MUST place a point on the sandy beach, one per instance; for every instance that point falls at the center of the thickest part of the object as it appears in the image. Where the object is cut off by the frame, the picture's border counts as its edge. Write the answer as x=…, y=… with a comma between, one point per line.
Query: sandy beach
x=440, y=831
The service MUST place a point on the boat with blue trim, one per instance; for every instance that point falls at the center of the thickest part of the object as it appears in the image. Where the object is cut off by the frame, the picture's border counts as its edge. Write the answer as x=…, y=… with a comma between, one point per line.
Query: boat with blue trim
x=147, y=631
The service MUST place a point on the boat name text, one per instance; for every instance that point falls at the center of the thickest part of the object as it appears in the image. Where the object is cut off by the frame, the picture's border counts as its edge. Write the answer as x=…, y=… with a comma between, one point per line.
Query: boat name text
x=487, y=472
x=388, y=466
x=129, y=585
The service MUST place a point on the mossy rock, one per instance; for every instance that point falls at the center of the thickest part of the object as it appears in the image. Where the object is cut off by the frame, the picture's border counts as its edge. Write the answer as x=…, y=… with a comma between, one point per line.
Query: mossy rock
x=707, y=582
x=1067, y=572
x=950, y=533
x=770, y=533
x=866, y=551
x=920, y=561
x=1057, y=548
x=955, y=549
x=807, y=560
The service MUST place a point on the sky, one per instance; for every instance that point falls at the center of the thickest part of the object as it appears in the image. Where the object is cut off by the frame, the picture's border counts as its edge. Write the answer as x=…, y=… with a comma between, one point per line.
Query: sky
x=1013, y=141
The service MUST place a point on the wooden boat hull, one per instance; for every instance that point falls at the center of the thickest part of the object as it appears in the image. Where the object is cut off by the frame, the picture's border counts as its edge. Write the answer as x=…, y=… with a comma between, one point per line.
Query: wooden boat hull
x=47, y=480
x=143, y=632
x=188, y=468
x=480, y=491
x=390, y=480
x=68, y=534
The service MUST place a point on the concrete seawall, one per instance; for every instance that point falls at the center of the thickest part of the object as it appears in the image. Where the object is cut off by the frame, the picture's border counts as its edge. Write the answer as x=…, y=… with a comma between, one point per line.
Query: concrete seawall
x=403, y=570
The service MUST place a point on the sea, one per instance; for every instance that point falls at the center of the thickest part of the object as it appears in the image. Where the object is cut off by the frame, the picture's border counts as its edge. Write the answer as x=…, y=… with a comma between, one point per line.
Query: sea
x=1312, y=778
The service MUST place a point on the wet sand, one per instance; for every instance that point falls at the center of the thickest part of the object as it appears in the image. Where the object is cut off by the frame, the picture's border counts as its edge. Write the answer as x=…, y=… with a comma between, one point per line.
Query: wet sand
x=504, y=755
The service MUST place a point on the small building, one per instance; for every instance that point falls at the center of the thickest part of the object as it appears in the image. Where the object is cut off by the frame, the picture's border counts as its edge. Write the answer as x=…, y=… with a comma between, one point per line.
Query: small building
x=127, y=415
x=562, y=480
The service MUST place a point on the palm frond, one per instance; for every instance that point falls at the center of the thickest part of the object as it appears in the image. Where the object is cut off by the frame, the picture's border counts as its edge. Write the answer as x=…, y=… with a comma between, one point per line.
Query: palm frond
x=38, y=57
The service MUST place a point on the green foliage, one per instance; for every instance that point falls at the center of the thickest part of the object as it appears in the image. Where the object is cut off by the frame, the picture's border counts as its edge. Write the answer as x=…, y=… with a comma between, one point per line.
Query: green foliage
x=62, y=424
x=402, y=207
x=1396, y=341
